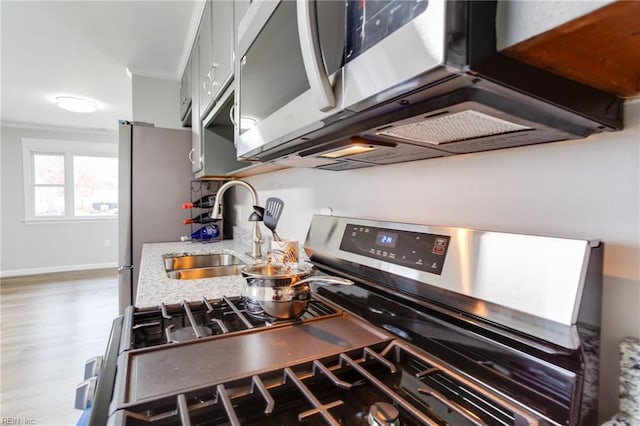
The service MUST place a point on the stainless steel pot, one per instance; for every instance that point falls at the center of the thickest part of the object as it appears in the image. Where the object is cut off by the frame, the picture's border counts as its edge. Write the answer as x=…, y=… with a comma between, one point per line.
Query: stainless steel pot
x=282, y=290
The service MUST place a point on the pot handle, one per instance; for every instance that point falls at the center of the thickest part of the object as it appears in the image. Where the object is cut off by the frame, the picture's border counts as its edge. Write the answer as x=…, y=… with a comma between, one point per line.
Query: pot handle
x=324, y=279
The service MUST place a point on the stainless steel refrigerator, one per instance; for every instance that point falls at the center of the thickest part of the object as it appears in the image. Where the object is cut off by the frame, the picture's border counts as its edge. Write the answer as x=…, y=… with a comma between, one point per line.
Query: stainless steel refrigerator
x=154, y=181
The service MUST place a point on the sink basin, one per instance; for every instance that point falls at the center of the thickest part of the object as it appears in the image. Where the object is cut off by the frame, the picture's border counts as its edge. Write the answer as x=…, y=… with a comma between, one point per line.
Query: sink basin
x=191, y=267
x=196, y=273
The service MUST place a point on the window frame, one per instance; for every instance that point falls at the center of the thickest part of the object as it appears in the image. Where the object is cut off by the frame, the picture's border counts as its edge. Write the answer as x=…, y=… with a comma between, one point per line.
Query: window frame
x=68, y=149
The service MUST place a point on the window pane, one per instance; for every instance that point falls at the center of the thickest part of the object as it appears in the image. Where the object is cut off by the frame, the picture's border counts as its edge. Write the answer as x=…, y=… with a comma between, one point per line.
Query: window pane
x=49, y=200
x=48, y=169
x=95, y=182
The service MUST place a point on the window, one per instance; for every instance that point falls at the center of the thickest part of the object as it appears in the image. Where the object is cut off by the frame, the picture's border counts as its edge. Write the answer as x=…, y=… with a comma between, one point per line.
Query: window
x=70, y=180
x=95, y=185
x=48, y=186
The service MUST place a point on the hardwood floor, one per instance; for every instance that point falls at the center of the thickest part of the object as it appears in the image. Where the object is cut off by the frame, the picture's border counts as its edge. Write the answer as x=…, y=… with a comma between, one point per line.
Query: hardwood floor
x=51, y=324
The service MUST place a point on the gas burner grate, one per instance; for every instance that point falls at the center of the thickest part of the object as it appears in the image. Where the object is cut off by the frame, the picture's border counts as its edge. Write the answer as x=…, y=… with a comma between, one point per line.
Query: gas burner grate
x=176, y=323
x=338, y=390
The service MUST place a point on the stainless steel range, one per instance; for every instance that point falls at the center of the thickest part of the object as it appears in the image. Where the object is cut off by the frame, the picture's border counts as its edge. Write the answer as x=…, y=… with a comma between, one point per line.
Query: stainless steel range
x=443, y=326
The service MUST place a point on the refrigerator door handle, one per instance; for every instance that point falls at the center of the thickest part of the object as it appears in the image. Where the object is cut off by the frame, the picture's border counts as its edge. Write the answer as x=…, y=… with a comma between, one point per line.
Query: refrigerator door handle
x=125, y=268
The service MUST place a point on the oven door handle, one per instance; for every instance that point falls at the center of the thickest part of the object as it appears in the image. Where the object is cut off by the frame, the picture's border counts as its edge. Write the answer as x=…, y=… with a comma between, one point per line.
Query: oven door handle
x=312, y=55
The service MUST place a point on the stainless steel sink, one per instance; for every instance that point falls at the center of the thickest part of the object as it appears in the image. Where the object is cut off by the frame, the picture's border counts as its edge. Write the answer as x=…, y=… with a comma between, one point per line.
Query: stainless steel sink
x=191, y=267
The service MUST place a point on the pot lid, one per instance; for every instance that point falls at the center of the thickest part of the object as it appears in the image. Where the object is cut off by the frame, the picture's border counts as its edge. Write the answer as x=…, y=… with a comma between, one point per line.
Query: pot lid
x=276, y=270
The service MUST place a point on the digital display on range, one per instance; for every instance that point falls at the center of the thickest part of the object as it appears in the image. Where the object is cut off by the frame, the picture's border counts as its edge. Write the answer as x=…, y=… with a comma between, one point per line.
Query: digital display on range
x=416, y=250
x=386, y=239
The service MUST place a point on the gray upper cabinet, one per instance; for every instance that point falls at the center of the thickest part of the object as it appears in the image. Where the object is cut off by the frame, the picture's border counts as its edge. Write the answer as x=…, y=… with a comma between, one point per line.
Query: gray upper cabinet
x=222, y=66
x=205, y=48
x=239, y=9
x=185, y=94
x=218, y=150
x=196, y=123
x=216, y=50
x=211, y=89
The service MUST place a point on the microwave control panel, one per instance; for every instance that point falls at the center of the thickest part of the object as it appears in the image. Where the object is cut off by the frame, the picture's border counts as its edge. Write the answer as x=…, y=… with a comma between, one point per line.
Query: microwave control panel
x=416, y=250
x=369, y=22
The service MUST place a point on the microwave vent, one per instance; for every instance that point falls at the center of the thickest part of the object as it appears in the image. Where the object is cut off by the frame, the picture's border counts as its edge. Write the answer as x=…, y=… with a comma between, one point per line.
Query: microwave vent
x=454, y=127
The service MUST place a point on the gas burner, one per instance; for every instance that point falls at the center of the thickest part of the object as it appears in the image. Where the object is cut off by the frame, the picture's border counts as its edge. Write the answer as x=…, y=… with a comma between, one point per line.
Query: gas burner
x=184, y=334
x=254, y=309
x=314, y=309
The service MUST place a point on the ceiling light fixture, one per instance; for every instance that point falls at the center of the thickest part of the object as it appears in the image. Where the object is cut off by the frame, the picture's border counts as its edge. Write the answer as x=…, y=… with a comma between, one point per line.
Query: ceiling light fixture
x=71, y=103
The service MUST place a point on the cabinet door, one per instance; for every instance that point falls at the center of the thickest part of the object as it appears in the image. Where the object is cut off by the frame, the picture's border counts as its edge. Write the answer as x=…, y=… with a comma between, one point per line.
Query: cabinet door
x=222, y=16
x=185, y=90
x=218, y=151
x=239, y=9
x=205, y=45
x=196, y=132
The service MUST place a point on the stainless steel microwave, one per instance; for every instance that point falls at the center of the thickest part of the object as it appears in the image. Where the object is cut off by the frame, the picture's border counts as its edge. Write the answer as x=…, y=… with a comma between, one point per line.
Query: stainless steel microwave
x=342, y=84
x=301, y=65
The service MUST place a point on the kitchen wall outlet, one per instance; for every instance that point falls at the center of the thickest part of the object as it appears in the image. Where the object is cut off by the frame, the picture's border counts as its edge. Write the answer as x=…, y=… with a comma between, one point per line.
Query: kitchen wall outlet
x=107, y=243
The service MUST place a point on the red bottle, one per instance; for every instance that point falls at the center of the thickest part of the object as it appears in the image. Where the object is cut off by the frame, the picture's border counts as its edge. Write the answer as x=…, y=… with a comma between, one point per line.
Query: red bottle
x=207, y=201
x=201, y=218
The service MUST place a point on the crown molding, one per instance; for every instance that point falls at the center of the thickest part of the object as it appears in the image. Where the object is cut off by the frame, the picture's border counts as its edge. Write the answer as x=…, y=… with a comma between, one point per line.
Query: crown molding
x=153, y=74
x=60, y=129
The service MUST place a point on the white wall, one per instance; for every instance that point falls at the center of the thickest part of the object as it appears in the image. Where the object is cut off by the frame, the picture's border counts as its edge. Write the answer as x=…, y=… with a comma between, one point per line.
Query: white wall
x=41, y=248
x=583, y=189
x=156, y=100
x=536, y=17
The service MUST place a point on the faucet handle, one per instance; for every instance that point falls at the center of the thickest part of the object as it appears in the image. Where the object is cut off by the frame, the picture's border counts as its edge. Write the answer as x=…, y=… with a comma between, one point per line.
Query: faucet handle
x=255, y=217
x=257, y=214
x=259, y=210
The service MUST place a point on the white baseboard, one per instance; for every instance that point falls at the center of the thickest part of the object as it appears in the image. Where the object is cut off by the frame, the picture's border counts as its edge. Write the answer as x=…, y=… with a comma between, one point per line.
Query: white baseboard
x=53, y=269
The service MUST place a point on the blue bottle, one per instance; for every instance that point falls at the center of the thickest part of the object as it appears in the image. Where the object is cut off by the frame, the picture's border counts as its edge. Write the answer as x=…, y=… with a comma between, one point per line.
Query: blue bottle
x=208, y=232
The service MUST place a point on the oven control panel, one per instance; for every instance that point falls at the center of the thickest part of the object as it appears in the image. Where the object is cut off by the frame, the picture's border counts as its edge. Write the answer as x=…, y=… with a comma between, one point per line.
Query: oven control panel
x=416, y=250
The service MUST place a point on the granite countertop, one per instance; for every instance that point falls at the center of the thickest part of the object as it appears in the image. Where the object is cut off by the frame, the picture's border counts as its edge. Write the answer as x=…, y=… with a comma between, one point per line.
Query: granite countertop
x=155, y=287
